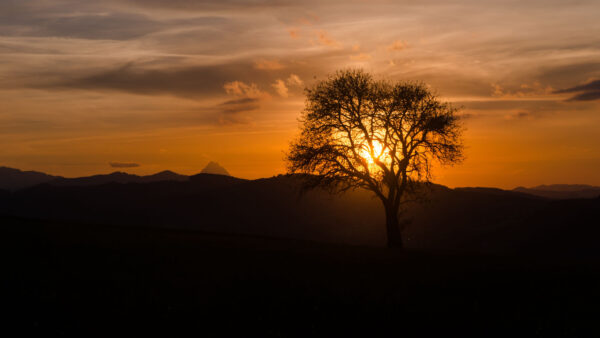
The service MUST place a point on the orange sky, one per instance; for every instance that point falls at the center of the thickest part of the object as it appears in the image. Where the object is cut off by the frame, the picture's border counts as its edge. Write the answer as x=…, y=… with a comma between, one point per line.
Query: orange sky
x=175, y=84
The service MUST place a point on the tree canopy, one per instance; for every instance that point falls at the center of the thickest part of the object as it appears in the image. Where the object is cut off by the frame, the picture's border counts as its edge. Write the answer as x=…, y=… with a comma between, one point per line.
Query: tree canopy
x=358, y=132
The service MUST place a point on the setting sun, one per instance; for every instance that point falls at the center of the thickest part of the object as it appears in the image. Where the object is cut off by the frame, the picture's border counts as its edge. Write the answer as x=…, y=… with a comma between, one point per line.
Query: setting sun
x=378, y=152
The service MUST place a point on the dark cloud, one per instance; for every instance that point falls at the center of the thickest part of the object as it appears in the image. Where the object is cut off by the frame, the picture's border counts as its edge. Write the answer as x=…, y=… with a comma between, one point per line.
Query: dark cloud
x=123, y=165
x=192, y=82
x=587, y=92
x=80, y=20
x=211, y=4
x=558, y=76
x=118, y=26
x=71, y=19
x=588, y=96
x=239, y=105
x=591, y=86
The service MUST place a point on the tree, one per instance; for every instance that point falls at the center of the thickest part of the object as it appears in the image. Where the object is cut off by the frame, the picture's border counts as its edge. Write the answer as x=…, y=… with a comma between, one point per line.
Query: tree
x=379, y=135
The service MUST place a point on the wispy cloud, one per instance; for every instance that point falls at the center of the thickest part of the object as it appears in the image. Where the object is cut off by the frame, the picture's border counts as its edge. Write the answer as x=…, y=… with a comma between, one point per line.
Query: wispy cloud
x=123, y=164
x=280, y=88
x=397, y=45
x=324, y=39
x=361, y=57
x=294, y=80
x=239, y=88
x=268, y=64
x=586, y=92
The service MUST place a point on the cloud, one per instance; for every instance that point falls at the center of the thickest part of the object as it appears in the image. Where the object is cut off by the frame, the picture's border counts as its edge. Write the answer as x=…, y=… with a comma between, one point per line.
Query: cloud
x=248, y=98
x=194, y=82
x=231, y=112
x=326, y=40
x=239, y=105
x=82, y=20
x=533, y=89
x=265, y=64
x=280, y=88
x=294, y=33
x=588, y=96
x=518, y=115
x=587, y=92
x=294, y=80
x=572, y=71
x=239, y=88
x=123, y=164
x=203, y=5
x=397, y=45
x=360, y=57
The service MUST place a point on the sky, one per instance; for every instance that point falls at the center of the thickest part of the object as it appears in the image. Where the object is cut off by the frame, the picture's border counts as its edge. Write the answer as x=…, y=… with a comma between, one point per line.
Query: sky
x=90, y=87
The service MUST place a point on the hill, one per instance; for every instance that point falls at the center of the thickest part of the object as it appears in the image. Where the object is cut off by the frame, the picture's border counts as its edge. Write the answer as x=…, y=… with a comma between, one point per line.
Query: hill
x=479, y=220
x=118, y=177
x=14, y=179
x=562, y=191
x=73, y=280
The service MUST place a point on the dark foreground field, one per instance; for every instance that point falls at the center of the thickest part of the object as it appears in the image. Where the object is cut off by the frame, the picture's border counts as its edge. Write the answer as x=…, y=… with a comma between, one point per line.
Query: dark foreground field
x=80, y=280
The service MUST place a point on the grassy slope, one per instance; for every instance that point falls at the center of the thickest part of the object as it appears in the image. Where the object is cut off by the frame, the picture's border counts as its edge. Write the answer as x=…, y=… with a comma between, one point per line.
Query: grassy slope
x=77, y=279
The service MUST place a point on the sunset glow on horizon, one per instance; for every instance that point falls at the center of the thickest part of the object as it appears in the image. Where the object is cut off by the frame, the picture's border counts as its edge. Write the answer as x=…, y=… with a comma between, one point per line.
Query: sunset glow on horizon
x=144, y=86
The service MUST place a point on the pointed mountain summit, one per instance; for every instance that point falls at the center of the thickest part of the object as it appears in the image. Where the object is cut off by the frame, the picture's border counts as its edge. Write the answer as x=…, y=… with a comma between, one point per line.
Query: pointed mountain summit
x=214, y=168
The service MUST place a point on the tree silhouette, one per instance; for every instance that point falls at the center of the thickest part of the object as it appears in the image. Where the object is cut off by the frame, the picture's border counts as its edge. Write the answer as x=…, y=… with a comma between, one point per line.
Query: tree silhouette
x=379, y=135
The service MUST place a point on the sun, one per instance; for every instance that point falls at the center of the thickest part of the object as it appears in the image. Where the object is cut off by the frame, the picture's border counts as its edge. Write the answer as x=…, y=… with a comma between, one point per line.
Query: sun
x=378, y=152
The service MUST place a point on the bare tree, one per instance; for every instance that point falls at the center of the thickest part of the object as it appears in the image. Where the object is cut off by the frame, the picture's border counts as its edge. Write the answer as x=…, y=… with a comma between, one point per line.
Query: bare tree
x=383, y=136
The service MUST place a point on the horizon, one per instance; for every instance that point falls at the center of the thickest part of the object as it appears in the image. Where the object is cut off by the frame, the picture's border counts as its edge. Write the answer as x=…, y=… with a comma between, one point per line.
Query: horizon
x=122, y=171
x=153, y=86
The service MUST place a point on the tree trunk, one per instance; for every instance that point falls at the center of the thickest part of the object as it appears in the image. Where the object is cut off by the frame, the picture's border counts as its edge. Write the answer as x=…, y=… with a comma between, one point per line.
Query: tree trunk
x=394, y=236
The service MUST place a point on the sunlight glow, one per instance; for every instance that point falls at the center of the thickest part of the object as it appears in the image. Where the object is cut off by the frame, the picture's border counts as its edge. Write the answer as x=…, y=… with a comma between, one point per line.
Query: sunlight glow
x=378, y=152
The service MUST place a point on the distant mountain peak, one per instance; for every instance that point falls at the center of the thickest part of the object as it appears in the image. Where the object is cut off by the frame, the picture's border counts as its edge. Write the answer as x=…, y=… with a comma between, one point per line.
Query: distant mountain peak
x=214, y=168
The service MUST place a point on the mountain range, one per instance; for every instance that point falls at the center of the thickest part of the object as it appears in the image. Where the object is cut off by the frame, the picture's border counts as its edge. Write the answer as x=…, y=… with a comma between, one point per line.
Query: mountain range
x=562, y=191
x=14, y=179
x=462, y=219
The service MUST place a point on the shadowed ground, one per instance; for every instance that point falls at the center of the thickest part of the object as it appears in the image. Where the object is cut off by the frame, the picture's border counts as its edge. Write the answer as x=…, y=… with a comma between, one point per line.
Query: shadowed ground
x=73, y=279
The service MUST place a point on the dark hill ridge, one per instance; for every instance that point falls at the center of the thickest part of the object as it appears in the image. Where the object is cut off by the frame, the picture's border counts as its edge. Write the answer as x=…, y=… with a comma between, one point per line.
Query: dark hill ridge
x=463, y=219
x=562, y=191
x=14, y=179
x=118, y=177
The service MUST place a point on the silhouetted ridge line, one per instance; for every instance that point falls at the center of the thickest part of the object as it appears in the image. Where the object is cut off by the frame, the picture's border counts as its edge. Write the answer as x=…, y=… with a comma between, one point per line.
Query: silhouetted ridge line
x=562, y=191
x=118, y=177
x=14, y=179
x=482, y=220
